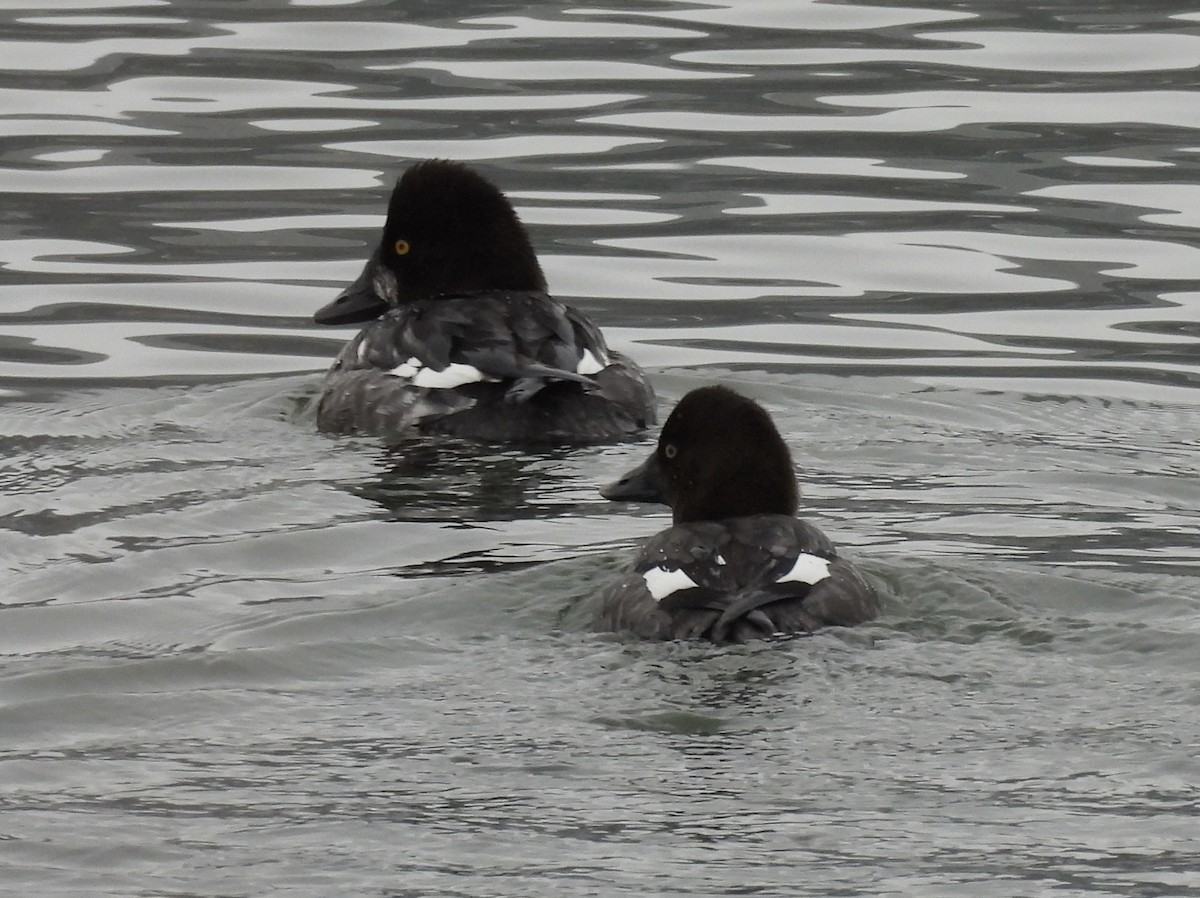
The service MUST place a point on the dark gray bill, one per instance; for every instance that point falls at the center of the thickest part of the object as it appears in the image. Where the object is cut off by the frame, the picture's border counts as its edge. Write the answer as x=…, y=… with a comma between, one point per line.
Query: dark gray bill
x=356, y=304
x=643, y=484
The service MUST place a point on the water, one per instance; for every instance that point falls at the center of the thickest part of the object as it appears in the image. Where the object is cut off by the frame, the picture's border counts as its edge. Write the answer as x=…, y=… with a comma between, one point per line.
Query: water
x=951, y=247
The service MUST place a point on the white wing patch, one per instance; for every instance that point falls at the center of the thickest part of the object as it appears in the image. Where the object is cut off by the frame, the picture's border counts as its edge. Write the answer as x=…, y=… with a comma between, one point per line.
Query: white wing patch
x=663, y=581
x=589, y=364
x=453, y=375
x=408, y=370
x=808, y=569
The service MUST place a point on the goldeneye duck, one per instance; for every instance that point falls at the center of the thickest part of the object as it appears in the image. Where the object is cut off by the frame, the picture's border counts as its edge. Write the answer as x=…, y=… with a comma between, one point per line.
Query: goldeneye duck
x=462, y=337
x=737, y=564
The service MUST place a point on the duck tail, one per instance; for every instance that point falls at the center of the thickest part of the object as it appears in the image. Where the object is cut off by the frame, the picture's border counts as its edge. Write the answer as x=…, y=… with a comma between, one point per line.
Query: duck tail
x=750, y=615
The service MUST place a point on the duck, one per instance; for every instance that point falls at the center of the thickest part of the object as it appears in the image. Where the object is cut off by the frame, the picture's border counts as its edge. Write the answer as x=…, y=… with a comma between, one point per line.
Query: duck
x=736, y=564
x=461, y=336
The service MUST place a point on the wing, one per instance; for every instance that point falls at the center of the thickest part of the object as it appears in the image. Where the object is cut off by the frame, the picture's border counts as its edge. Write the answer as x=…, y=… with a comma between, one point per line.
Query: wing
x=804, y=585
x=526, y=338
x=674, y=589
x=765, y=575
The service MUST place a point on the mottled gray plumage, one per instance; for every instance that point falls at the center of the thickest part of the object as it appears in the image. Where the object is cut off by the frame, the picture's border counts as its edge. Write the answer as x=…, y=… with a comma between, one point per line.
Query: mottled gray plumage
x=756, y=551
x=737, y=564
x=527, y=344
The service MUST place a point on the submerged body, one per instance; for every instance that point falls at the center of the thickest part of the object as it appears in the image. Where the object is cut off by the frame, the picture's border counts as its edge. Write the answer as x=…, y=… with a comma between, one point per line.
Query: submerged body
x=461, y=336
x=737, y=564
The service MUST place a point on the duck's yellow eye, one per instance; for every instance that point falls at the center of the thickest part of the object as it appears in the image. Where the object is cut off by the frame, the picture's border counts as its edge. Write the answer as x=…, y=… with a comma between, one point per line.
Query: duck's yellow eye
x=401, y=247
x=670, y=451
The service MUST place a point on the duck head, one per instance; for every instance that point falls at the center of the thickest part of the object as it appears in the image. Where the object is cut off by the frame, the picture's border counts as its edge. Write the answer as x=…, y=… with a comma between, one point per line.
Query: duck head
x=719, y=456
x=448, y=231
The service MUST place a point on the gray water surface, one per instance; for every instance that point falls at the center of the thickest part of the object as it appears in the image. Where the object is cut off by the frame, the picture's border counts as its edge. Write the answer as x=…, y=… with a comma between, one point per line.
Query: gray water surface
x=952, y=248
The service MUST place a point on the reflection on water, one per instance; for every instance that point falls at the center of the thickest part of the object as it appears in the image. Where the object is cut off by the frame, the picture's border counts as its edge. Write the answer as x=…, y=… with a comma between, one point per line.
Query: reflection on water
x=951, y=249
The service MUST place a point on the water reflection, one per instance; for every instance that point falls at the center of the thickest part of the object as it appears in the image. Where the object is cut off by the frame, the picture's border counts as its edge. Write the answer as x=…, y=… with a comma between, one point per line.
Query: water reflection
x=454, y=482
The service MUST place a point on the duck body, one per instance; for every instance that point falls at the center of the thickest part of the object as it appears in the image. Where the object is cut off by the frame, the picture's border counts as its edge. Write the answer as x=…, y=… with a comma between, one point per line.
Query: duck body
x=506, y=366
x=461, y=337
x=736, y=580
x=737, y=564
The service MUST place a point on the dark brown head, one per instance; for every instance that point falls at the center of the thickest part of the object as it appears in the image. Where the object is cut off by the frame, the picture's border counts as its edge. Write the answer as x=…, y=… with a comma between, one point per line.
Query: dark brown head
x=448, y=231
x=719, y=456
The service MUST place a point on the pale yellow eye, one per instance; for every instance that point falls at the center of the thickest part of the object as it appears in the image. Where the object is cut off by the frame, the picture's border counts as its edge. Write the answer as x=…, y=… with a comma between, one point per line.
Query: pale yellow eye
x=670, y=451
x=401, y=247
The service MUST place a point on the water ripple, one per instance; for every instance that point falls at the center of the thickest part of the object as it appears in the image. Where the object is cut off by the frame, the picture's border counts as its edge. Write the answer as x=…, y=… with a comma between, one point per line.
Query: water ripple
x=1010, y=51
x=923, y=111
x=950, y=251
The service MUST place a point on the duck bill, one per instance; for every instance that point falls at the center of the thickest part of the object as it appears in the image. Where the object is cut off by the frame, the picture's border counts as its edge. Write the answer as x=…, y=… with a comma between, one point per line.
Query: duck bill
x=645, y=483
x=357, y=303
